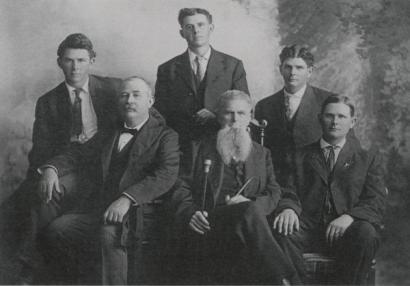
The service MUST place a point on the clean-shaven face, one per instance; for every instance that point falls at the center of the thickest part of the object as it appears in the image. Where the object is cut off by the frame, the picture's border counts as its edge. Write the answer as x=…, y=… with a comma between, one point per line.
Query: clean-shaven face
x=295, y=73
x=76, y=65
x=196, y=30
x=336, y=122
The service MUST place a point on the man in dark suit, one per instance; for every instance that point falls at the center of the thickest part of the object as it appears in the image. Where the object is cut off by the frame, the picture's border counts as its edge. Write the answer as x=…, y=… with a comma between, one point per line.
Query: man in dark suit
x=188, y=85
x=337, y=198
x=135, y=164
x=69, y=114
x=230, y=213
x=291, y=112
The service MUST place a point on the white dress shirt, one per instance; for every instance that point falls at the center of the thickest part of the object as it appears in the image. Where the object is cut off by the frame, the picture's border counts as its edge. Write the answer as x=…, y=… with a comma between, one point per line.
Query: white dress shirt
x=88, y=116
x=336, y=148
x=294, y=99
x=126, y=137
x=203, y=60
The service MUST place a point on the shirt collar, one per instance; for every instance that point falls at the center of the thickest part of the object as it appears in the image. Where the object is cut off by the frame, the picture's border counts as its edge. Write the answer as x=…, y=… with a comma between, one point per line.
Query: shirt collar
x=297, y=94
x=139, y=126
x=324, y=144
x=83, y=88
x=192, y=55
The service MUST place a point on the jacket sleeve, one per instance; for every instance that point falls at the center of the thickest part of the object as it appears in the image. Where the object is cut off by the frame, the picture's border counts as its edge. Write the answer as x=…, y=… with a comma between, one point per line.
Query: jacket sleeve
x=239, y=81
x=372, y=201
x=269, y=198
x=163, y=177
x=42, y=137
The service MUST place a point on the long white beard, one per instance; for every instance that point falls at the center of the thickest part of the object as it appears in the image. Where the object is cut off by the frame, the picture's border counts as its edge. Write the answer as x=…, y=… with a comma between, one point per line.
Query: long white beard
x=233, y=143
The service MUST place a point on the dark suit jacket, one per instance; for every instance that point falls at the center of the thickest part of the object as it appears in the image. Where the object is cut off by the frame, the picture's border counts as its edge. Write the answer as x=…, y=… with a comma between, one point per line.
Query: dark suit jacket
x=306, y=129
x=357, y=184
x=176, y=95
x=187, y=198
x=51, y=130
x=153, y=164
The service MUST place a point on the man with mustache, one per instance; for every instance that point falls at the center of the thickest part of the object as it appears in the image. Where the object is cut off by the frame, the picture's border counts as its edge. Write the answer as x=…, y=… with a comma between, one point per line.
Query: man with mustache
x=131, y=165
x=291, y=112
x=336, y=199
x=188, y=85
x=241, y=191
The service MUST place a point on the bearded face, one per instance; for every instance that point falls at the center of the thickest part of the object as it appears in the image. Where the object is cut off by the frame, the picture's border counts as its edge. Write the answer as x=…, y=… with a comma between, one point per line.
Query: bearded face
x=234, y=144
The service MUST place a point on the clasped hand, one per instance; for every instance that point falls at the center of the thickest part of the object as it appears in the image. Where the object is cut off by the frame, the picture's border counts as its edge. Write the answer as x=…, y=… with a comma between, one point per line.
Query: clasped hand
x=337, y=228
x=117, y=210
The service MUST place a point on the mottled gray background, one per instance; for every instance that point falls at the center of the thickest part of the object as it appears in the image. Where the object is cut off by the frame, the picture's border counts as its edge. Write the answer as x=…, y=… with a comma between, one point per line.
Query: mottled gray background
x=361, y=47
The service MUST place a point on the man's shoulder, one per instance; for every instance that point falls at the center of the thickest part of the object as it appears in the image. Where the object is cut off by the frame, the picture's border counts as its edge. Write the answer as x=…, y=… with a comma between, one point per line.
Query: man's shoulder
x=105, y=82
x=320, y=92
x=52, y=93
x=269, y=100
x=225, y=56
x=172, y=61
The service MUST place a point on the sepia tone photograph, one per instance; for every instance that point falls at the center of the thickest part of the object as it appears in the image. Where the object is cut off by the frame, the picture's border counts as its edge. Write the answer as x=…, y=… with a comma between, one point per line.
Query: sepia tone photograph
x=197, y=142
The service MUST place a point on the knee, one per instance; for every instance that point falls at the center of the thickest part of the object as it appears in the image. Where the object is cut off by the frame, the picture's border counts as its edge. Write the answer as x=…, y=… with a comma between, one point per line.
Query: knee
x=109, y=235
x=363, y=234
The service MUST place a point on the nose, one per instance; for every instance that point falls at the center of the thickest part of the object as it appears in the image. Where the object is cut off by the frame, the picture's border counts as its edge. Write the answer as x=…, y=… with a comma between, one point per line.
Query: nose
x=76, y=64
x=234, y=117
x=130, y=98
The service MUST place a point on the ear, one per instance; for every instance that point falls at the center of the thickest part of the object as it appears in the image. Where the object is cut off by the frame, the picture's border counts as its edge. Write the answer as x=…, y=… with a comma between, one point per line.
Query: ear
x=151, y=101
x=92, y=60
x=310, y=71
x=181, y=32
x=211, y=27
x=59, y=62
x=353, y=122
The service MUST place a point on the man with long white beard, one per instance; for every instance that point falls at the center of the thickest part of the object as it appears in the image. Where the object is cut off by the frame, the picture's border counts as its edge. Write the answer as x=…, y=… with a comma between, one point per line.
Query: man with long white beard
x=226, y=192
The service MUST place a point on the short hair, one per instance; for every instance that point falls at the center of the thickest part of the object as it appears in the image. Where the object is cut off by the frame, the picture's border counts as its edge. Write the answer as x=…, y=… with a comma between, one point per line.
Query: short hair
x=133, y=78
x=233, y=95
x=339, y=99
x=185, y=12
x=76, y=41
x=297, y=51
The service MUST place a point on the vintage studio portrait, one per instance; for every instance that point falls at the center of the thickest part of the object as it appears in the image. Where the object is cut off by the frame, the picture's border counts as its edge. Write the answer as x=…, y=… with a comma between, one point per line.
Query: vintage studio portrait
x=205, y=142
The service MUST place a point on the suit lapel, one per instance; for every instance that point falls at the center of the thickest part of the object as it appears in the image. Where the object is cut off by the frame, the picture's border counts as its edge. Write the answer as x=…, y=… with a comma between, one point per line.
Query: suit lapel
x=252, y=170
x=216, y=69
x=317, y=161
x=107, y=152
x=183, y=68
x=307, y=106
x=345, y=160
x=63, y=108
x=95, y=89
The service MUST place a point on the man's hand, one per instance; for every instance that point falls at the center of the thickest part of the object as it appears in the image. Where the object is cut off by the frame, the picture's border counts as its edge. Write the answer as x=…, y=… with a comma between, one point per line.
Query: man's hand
x=235, y=199
x=286, y=222
x=337, y=228
x=47, y=184
x=199, y=222
x=117, y=210
x=203, y=115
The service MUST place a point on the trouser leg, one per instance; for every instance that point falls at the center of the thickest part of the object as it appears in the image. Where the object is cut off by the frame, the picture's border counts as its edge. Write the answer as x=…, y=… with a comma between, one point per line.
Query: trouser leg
x=355, y=252
x=247, y=228
x=114, y=256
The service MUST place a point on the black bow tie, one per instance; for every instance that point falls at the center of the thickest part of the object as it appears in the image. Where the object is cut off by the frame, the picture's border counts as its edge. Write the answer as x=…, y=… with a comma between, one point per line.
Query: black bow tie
x=124, y=129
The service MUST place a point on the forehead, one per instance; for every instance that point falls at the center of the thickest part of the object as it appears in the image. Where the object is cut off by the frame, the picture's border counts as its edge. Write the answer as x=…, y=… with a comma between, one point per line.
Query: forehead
x=294, y=62
x=135, y=85
x=196, y=18
x=75, y=53
x=337, y=108
x=236, y=105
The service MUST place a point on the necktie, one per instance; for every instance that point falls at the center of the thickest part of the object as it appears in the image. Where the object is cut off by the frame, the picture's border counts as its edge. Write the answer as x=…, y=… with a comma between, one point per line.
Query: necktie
x=199, y=75
x=330, y=162
x=288, y=109
x=76, y=119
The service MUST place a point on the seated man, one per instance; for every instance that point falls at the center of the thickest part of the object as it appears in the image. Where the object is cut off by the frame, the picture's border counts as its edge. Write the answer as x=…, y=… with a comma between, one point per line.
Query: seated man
x=224, y=215
x=337, y=198
x=135, y=164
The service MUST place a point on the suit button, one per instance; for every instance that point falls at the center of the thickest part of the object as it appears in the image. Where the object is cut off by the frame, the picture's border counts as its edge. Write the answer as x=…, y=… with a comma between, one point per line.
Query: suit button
x=190, y=94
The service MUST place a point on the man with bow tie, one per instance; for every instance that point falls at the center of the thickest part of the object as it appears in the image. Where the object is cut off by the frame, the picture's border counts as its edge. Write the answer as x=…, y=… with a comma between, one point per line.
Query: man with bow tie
x=132, y=165
x=291, y=112
x=228, y=208
x=336, y=198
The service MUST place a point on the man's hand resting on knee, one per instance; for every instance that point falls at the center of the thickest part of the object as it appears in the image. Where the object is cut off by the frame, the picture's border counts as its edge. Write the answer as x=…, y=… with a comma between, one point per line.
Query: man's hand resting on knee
x=286, y=222
x=47, y=184
x=116, y=212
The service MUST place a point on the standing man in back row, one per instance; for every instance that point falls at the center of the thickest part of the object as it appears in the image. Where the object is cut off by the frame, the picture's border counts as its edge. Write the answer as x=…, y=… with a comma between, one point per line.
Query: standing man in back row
x=188, y=86
x=291, y=113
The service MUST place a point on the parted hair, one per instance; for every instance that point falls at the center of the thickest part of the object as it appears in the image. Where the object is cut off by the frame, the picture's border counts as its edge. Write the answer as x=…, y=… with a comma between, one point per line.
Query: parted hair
x=339, y=99
x=76, y=41
x=297, y=51
x=185, y=12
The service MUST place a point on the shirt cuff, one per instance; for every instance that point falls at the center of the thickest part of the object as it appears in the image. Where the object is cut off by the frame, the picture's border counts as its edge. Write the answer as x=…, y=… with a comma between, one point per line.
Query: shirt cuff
x=134, y=202
x=41, y=169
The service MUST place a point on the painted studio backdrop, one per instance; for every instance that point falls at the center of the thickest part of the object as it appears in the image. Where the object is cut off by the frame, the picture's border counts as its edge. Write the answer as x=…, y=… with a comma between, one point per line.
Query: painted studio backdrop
x=362, y=50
